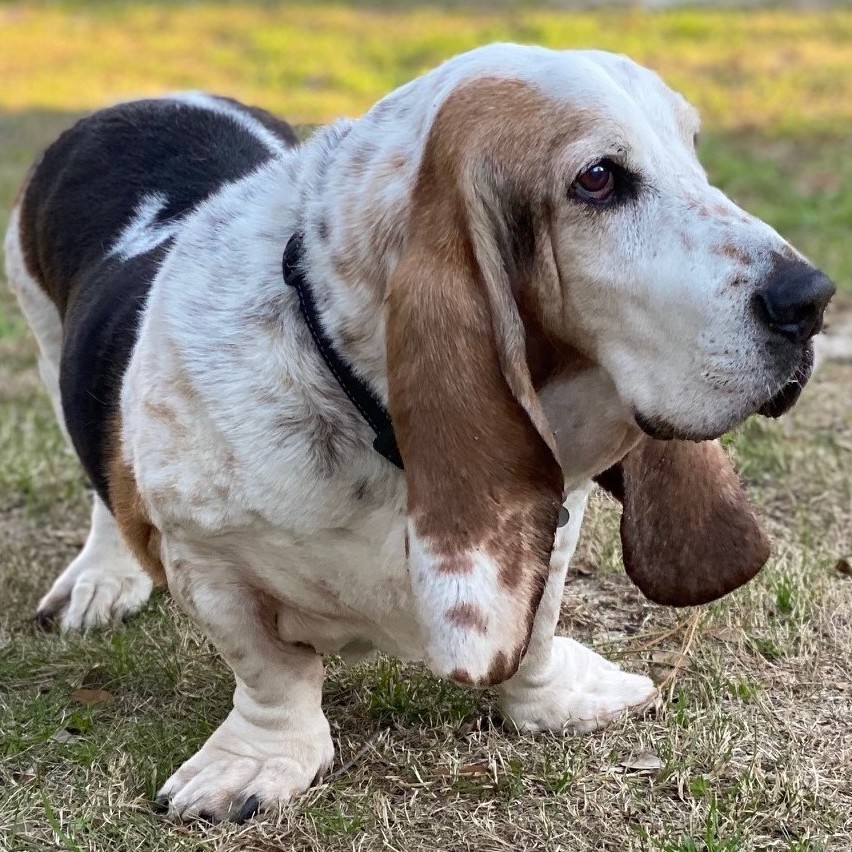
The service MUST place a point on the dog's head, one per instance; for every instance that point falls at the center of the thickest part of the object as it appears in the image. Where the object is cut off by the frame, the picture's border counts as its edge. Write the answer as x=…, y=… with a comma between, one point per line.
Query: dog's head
x=559, y=222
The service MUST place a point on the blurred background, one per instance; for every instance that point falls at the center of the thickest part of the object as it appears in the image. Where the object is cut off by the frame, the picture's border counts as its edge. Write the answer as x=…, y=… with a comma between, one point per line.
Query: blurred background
x=774, y=85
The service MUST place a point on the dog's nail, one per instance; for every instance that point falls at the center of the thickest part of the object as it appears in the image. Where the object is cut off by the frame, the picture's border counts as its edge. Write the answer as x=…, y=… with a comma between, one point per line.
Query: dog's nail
x=161, y=803
x=44, y=619
x=249, y=809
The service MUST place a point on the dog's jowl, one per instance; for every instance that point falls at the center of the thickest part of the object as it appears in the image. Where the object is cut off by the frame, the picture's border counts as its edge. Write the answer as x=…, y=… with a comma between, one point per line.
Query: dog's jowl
x=506, y=280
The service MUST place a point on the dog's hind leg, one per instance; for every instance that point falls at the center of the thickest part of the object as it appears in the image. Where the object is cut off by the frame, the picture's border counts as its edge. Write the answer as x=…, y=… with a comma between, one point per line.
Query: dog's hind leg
x=102, y=585
x=104, y=582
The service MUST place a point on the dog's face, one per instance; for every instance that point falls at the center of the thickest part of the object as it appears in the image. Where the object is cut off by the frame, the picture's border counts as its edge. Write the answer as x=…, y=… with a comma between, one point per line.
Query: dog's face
x=701, y=313
x=560, y=225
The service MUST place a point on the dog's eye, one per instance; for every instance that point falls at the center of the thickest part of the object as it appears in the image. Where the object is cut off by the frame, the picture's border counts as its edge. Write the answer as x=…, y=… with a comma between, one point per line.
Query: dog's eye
x=596, y=184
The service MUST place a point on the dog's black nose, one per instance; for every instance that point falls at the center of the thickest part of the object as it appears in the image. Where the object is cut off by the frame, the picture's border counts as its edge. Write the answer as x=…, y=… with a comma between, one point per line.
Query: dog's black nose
x=793, y=302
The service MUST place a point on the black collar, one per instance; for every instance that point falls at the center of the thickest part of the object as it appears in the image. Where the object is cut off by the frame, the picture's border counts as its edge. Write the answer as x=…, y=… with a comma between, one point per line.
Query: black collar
x=360, y=394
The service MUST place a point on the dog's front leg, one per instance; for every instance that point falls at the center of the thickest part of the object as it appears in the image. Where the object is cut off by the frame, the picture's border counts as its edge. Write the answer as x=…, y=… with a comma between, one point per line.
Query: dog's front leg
x=275, y=742
x=561, y=684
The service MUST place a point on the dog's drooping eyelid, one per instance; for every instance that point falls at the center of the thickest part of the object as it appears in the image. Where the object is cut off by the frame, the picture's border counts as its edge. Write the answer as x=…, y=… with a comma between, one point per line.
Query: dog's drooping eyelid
x=627, y=184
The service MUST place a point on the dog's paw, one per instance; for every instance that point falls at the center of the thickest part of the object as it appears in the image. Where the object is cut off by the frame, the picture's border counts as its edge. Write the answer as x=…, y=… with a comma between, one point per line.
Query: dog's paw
x=582, y=692
x=95, y=591
x=237, y=775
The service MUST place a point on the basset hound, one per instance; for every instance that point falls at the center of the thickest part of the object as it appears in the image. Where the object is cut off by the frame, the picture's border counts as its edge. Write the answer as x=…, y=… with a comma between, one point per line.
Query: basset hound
x=351, y=395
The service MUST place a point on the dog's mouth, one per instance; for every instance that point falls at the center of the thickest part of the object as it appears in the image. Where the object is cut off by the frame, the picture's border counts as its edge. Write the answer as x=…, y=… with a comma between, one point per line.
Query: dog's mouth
x=777, y=405
x=790, y=392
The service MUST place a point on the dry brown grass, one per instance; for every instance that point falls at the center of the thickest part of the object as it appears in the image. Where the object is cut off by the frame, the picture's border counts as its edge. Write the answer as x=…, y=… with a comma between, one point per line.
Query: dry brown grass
x=752, y=733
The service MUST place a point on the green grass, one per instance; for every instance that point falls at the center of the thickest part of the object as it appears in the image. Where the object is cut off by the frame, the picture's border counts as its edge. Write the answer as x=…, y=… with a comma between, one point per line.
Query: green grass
x=753, y=733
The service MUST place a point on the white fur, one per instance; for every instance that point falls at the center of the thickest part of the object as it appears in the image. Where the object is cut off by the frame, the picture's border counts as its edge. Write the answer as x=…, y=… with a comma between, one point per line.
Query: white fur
x=262, y=477
x=143, y=233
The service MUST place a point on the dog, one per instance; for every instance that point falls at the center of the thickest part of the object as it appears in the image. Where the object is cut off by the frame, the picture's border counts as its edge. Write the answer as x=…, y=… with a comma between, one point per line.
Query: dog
x=351, y=395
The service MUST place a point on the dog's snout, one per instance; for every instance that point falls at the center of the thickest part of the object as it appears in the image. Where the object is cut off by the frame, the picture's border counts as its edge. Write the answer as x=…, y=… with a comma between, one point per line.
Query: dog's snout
x=793, y=302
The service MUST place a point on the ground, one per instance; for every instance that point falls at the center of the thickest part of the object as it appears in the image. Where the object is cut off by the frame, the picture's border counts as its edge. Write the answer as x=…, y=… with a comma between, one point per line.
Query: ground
x=751, y=746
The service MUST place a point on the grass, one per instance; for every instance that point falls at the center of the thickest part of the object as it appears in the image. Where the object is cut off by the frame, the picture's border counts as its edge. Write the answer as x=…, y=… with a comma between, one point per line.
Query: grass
x=753, y=733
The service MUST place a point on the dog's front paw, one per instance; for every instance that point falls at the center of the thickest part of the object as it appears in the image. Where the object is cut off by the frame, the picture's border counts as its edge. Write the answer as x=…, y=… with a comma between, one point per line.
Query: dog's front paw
x=579, y=691
x=242, y=770
x=95, y=590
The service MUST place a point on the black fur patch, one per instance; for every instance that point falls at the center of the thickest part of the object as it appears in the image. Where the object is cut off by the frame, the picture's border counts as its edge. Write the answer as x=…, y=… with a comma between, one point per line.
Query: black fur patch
x=82, y=194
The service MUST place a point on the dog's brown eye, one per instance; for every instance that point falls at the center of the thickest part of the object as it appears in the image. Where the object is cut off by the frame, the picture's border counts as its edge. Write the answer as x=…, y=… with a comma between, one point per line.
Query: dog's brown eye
x=596, y=183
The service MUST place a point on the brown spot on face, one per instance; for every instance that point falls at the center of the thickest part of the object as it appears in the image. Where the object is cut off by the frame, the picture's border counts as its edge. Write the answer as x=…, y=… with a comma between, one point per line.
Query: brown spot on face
x=787, y=251
x=735, y=252
x=361, y=491
x=721, y=212
x=470, y=616
x=131, y=516
x=322, y=229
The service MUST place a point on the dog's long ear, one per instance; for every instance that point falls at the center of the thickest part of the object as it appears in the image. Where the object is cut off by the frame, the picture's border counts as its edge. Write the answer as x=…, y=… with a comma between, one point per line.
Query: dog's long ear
x=688, y=531
x=484, y=486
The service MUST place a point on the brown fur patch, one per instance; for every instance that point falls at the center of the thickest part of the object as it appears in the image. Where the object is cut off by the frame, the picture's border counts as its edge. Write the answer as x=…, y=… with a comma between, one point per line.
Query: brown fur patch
x=455, y=564
x=468, y=615
x=501, y=669
x=461, y=676
x=162, y=412
x=140, y=535
x=734, y=252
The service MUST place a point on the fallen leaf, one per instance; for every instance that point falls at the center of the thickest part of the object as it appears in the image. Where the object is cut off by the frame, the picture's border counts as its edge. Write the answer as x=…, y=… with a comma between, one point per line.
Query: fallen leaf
x=90, y=697
x=644, y=761
x=63, y=736
x=662, y=674
x=672, y=659
x=727, y=634
x=471, y=770
x=475, y=769
x=26, y=777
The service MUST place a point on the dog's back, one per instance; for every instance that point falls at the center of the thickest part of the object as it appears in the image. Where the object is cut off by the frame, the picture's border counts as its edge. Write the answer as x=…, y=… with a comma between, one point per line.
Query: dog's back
x=96, y=218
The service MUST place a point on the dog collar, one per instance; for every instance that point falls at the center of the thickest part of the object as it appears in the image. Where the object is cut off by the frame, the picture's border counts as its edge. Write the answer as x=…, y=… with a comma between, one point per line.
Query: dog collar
x=359, y=393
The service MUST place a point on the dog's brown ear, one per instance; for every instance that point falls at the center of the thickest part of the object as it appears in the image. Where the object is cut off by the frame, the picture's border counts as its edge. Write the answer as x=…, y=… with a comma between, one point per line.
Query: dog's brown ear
x=484, y=485
x=688, y=531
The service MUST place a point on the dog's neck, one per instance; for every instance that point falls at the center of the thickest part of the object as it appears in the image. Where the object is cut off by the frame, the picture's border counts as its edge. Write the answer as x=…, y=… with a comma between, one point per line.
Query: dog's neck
x=353, y=189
